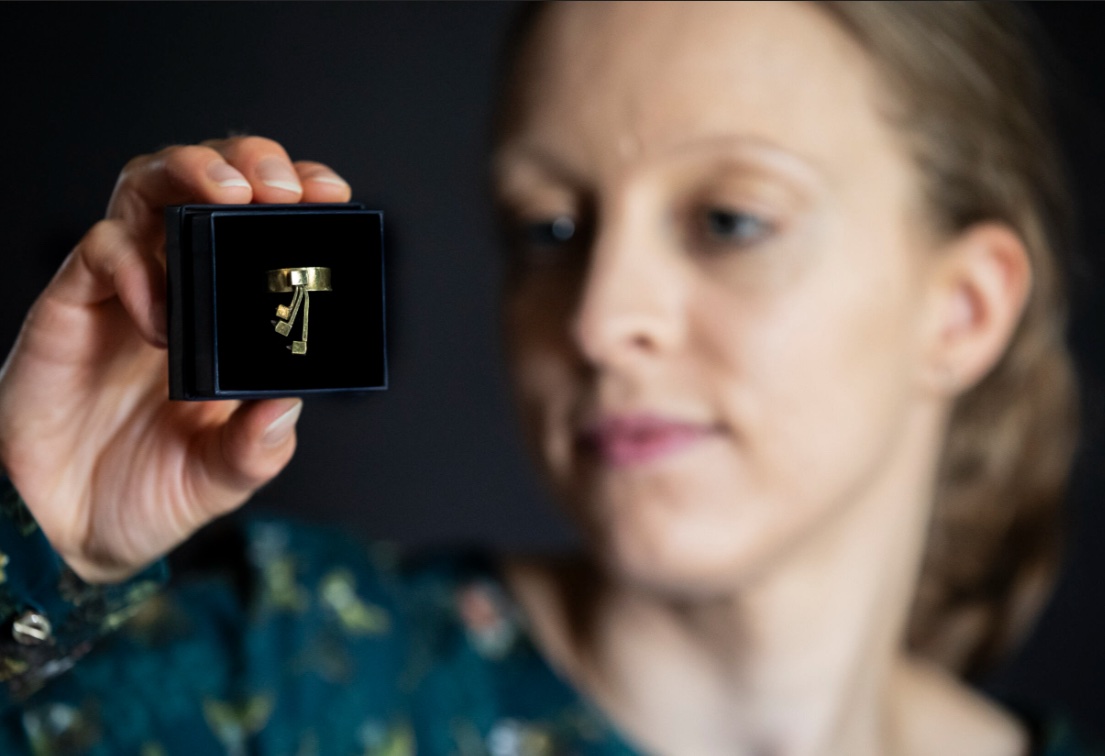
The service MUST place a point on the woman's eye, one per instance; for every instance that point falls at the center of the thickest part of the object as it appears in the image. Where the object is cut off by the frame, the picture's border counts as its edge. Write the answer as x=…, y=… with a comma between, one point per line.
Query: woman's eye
x=734, y=227
x=546, y=243
x=550, y=233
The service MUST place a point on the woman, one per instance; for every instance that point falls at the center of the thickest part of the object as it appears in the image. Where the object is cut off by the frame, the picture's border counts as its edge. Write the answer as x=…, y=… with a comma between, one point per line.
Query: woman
x=785, y=327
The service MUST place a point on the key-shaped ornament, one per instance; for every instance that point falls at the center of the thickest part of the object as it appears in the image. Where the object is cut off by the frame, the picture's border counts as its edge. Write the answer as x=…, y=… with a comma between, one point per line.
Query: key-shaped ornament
x=299, y=281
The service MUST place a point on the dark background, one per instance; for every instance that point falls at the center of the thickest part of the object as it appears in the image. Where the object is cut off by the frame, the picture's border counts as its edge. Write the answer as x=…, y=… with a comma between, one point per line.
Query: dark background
x=396, y=97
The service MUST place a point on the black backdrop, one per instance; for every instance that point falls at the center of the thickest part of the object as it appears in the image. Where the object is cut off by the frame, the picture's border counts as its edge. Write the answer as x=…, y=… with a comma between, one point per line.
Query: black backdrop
x=396, y=97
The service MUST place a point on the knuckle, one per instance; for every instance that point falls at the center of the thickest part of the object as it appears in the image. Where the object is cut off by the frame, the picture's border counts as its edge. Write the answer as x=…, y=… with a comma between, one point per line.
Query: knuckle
x=136, y=168
x=182, y=157
x=103, y=248
x=135, y=165
x=181, y=162
x=153, y=160
x=173, y=161
x=102, y=234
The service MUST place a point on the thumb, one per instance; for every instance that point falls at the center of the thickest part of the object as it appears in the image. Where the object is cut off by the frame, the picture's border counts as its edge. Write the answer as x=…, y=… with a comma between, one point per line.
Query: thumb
x=254, y=444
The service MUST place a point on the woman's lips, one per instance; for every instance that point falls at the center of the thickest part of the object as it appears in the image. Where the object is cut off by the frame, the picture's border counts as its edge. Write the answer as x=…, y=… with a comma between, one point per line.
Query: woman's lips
x=631, y=440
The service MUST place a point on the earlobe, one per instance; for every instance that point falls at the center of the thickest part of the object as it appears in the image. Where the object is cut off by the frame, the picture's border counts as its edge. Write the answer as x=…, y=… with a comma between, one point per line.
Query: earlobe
x=983, y=280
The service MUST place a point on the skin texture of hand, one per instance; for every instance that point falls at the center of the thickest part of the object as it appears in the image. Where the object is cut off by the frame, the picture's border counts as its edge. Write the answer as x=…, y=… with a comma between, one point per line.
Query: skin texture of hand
x=116, y=474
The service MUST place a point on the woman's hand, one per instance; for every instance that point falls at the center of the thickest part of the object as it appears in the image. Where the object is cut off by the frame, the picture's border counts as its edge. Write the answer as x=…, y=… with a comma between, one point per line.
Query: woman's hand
x=115, y=474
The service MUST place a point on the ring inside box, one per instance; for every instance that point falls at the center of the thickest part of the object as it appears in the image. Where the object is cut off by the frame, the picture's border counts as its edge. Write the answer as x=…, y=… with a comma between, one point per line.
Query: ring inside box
x=250, y=279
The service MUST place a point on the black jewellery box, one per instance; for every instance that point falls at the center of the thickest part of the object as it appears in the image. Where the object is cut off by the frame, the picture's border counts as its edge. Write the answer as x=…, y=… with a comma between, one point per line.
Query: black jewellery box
x=274, y=300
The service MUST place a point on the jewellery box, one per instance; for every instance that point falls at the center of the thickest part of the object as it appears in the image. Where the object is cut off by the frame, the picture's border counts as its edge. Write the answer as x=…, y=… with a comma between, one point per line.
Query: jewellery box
x=274, y=300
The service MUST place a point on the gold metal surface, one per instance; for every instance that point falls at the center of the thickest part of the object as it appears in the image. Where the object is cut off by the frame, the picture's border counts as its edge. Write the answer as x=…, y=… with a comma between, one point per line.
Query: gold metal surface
x=283, y=280
x=300, y=281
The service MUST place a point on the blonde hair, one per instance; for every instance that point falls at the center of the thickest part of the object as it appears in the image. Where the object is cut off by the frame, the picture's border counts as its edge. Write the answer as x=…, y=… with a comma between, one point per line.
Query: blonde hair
x=964, y=89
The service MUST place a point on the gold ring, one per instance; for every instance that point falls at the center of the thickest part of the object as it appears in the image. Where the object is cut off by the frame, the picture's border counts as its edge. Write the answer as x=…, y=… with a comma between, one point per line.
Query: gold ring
x=283, y=280
x=300, y=281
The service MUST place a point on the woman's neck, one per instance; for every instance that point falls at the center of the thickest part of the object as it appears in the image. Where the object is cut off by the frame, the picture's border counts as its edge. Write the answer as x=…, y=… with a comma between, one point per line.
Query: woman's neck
x=793, y=664
x=804, y=659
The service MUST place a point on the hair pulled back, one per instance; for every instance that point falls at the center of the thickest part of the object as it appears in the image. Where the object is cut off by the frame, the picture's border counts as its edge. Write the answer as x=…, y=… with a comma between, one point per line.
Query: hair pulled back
x=962, y=86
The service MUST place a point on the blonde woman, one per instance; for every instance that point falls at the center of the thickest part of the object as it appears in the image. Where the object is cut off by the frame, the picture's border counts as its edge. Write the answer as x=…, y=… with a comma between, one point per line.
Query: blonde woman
x=785, y=324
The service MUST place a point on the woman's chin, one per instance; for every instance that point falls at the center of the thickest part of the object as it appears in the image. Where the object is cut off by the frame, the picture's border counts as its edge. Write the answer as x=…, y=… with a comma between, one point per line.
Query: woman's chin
x=681, y=561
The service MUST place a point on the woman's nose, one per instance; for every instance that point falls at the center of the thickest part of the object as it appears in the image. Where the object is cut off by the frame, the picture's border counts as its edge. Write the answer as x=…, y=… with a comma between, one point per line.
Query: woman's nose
x=632, y=302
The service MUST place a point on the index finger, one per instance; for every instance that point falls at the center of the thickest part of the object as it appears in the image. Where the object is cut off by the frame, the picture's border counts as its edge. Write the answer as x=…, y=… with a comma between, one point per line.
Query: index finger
x=173, y=176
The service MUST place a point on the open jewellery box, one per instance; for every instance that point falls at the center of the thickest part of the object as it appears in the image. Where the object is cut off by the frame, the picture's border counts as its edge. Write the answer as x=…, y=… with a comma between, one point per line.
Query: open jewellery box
x=274, y=300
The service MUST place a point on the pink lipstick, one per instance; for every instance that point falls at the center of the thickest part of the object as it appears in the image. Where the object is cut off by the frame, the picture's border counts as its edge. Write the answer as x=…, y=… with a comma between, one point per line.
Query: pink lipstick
x=630, y=440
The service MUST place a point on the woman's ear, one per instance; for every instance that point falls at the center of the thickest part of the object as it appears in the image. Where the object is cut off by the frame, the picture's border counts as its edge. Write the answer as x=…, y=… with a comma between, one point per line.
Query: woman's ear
x=981, y=280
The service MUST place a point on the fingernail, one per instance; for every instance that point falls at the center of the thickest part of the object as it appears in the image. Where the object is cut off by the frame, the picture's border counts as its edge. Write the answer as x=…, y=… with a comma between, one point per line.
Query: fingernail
x=225, y=176
x=280, y=429
x=276, y=173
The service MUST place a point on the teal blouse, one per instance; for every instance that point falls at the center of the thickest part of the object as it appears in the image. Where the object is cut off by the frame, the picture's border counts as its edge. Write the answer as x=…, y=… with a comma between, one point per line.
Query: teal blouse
x=302, y=642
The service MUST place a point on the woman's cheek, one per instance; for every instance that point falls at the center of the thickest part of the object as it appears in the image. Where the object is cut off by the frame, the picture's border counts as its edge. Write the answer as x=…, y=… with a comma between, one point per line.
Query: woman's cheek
x=788, y=370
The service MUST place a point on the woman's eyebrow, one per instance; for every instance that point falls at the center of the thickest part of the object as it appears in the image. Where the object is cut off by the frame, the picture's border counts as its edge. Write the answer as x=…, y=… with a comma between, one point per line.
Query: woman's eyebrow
x=512, y=158
x=752, y=147
x=508, y=159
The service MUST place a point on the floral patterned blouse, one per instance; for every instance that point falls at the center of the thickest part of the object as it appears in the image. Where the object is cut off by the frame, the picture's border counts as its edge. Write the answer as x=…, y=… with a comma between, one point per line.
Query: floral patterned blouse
x=300, y=642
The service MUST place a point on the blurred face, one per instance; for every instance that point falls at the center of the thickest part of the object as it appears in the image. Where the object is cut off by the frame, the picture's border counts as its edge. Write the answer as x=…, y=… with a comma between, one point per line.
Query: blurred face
x=718, y=277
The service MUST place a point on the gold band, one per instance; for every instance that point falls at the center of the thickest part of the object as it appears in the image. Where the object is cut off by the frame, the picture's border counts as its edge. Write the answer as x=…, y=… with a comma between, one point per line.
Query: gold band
x=283, y=280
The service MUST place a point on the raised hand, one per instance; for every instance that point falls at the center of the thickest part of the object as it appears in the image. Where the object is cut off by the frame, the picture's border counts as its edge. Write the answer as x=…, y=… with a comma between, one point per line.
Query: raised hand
x=115, y=474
